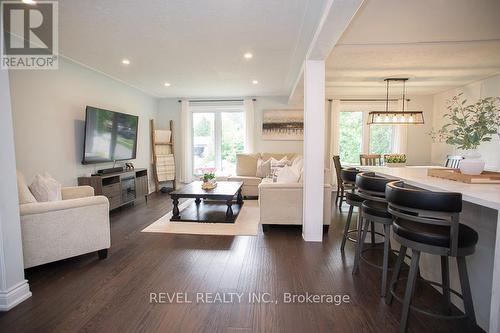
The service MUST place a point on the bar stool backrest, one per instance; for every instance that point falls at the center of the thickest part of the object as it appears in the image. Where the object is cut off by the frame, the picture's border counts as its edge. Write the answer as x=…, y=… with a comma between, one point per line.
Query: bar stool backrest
x=349, y=176
x=371, y=187
x=422, y=206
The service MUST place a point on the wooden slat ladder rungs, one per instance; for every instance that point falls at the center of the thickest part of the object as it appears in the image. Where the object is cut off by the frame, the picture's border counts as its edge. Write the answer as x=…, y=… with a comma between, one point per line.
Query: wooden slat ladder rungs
x=159, y=153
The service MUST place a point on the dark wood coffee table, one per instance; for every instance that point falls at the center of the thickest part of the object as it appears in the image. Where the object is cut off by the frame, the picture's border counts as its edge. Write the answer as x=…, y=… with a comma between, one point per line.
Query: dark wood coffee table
x=220, y=208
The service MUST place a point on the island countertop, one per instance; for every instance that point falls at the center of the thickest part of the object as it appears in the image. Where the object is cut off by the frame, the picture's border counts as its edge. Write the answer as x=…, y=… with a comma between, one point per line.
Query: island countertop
x=487, y=195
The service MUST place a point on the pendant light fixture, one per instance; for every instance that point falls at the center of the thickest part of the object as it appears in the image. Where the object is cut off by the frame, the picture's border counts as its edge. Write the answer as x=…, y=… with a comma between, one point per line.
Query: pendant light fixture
x=398, y=117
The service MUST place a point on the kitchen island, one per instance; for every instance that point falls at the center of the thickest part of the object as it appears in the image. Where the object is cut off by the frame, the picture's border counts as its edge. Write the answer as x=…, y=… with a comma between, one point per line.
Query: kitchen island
x=481, y=207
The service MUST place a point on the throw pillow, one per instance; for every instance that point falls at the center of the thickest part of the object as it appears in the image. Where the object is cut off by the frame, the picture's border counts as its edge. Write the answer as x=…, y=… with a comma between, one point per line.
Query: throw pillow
x=287, y=175
x=298, y=164
x=45, y=188
x=25, y=196
x=263, y=168
x=246, y=164
x=276, y=165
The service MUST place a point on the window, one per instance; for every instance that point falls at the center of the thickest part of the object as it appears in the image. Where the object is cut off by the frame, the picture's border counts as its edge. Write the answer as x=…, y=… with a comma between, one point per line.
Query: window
x=381, y=138
x=217, y=137
x=356, y=137
x=351, y=136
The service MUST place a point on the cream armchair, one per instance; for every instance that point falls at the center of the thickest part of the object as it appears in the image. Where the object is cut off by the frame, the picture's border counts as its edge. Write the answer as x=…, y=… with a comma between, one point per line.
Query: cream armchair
x=281, y=203
x=57, y=230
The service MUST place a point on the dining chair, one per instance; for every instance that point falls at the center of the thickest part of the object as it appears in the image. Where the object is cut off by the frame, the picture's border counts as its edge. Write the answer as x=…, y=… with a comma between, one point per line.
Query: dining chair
x=340, y=184
x=453, y=161
x=370, y=159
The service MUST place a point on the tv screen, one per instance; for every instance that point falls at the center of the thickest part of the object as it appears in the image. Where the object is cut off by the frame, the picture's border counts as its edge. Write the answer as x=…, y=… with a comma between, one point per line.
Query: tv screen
x=109, y=136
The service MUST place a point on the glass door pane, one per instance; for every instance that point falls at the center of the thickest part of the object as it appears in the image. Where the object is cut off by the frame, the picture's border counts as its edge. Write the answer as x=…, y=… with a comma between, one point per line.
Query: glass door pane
x=381, y=139
x=203, y=142
x=350, y=136
x=232, y=140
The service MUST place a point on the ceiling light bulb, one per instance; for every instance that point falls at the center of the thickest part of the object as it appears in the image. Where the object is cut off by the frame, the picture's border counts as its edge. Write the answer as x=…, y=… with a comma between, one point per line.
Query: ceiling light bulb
x=386, y=119
x=167, y=84
x=255, y=82
x=402, y=119
x=126, y=62
x=395, y=119
x=29, y=2
x=410, y=119
x=378, y=119
x=248, y=55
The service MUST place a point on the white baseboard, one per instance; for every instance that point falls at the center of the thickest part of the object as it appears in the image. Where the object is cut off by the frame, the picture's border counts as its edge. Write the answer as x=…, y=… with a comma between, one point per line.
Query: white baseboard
x=15, y=295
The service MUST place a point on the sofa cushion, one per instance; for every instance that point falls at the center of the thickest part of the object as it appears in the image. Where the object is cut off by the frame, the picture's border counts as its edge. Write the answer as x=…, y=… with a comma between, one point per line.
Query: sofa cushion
x=288, y=175
x=45, y=188
x=246, y=164
x=247, y=180
x=25, y=196
x=277, y=156
x=263, y=168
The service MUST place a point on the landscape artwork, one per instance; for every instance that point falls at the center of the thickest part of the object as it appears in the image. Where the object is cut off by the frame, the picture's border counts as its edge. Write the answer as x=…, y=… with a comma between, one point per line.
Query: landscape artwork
x=283, y=125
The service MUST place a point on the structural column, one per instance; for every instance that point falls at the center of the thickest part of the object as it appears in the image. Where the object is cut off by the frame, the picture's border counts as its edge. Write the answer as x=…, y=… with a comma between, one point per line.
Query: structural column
x=13, y=287
x=314, y=149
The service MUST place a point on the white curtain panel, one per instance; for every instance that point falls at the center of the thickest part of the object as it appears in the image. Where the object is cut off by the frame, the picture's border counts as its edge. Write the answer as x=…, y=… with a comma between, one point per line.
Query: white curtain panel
x=249, y=125
x=187, y=165
x=400, y=142
x=334, y=136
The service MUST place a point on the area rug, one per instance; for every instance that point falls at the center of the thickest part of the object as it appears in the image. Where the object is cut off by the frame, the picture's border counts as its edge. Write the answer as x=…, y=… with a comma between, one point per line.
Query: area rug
x=247, y=223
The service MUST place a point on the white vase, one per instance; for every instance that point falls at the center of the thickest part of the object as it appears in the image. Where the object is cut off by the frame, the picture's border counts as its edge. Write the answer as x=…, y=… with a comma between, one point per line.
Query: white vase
x=472, y=164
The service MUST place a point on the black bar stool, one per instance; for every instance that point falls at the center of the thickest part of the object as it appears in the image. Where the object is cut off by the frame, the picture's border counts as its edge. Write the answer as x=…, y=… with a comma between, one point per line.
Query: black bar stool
x=348, y=177
x=427, y=221
x=374, y=210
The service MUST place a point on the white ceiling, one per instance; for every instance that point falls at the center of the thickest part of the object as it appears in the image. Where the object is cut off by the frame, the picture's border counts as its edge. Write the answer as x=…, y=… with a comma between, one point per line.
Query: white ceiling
x=438, y=44
x=195, y=45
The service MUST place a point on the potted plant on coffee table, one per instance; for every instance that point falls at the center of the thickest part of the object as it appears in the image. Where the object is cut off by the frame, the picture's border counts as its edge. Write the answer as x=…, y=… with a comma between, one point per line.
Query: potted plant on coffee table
x=209, y=182
x=469, y=125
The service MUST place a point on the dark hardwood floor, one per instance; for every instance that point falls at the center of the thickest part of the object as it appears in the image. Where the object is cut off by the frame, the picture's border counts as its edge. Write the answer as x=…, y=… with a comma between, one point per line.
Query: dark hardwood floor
x=113, y=295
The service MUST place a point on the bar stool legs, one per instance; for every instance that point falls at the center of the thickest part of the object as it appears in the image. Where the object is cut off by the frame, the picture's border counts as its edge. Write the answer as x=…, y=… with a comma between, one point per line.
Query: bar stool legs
x=396, y=272
x=466, y=293
x=445, y=278
x=385, y=264
x=362, y=230
x=410, y=288
x=346, y=228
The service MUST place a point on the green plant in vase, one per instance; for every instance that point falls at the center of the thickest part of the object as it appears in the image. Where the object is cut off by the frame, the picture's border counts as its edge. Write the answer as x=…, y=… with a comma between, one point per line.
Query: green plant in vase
x=467, y=126
x=208, y=177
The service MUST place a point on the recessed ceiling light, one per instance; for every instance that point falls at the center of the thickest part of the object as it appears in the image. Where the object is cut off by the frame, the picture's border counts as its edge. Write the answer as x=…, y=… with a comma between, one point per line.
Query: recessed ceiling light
x=255, y=82
x=126, y=62
x=167, y=84
x=248, y=55
x=29, y=2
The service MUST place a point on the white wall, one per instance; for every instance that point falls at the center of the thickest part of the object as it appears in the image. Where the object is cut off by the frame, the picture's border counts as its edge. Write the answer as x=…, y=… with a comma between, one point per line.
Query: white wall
x=419, y=140
x=489, y=87
x=49, y=111
x=13, y=287
x=278, y=102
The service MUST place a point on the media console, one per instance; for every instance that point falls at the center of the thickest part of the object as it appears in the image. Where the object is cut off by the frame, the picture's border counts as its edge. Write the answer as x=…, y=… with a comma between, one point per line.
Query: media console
x=120, y=188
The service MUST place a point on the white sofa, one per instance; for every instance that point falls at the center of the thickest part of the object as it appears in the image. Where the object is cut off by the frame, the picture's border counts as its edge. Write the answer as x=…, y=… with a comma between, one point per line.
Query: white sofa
x=246, y=170
x=281, y=203
x=57, y=230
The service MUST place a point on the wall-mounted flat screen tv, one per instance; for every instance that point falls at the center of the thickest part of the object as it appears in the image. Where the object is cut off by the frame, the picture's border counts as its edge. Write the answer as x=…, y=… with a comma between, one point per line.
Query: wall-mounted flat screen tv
x=109, y=136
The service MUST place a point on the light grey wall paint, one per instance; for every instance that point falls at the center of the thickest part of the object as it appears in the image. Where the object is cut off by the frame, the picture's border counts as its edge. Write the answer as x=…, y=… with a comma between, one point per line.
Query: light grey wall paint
x=419, y=141
x=49, y=114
